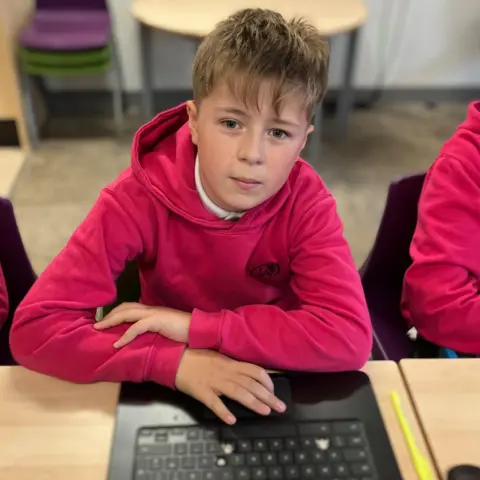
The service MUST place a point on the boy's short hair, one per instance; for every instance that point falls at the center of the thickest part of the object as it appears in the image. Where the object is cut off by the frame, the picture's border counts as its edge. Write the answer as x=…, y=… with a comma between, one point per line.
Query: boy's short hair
x=254, y=45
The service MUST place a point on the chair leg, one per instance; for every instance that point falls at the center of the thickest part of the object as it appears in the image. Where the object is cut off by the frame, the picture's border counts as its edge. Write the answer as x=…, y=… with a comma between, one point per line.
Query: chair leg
x=117, y=92
x=29, y=107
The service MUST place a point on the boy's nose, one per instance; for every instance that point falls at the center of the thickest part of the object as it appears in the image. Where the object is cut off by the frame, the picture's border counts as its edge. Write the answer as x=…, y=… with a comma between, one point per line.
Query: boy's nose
x=251, y=151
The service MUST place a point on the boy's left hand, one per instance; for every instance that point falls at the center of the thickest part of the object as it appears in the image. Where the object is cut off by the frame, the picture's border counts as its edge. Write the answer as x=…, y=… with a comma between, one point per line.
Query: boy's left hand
x=172, y=324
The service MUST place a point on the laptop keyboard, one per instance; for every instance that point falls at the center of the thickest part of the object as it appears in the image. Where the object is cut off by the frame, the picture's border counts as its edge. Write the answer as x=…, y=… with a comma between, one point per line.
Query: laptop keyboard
x=318, y=450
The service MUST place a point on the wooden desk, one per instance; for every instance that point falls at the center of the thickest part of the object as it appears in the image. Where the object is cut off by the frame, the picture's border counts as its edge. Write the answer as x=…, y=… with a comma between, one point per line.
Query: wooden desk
x=193, y=19
x=55, y=430
x=446, y=395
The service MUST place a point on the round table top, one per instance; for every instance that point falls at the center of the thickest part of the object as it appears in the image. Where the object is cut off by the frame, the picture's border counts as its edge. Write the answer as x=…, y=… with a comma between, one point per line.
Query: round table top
x=197, y=19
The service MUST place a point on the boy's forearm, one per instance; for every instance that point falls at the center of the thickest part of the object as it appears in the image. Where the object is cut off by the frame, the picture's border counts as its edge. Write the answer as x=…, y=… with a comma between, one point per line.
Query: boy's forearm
x=316, y=340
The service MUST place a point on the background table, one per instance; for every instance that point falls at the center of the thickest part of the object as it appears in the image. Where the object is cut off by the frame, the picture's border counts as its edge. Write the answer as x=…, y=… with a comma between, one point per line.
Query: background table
x=56, y=430
x=193, y=19
x=446, y=395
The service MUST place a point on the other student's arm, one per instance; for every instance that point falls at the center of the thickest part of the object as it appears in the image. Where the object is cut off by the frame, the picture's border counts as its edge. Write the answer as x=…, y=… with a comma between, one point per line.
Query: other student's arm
x=441, y=288
x=331, y=330
x=53, y=329
x=3, y=299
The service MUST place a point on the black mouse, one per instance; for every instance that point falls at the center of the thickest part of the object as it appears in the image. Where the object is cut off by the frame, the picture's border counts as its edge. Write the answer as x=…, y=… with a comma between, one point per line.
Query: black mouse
x=464, y=472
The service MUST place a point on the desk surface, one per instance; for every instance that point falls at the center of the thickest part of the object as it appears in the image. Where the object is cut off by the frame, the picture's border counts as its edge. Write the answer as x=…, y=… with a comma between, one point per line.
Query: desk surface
x=191, y=18
x=55, y=430
x=446, y=395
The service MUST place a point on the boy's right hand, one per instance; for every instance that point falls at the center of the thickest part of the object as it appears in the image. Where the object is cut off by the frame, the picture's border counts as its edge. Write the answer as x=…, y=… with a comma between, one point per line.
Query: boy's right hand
x=206, y=374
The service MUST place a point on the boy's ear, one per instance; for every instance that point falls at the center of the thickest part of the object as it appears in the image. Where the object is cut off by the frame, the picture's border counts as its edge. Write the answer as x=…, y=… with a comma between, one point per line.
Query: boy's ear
x=192, y=111
x=310, y=129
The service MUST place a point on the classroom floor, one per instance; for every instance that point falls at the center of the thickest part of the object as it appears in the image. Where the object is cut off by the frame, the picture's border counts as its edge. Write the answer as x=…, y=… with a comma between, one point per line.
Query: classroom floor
x=60, y=181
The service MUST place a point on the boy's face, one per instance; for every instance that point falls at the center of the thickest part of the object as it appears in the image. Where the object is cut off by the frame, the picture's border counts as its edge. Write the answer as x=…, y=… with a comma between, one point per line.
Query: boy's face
x=246, y=153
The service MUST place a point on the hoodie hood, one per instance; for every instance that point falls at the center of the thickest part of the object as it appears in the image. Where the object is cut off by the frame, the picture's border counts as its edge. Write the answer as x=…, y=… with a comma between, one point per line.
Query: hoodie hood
x=465, y=142
x=163, y=160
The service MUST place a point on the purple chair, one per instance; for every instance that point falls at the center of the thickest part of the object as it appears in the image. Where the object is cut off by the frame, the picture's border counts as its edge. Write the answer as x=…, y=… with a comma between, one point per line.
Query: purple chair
x=69, y=38
x=383, y=271
x=17, y=270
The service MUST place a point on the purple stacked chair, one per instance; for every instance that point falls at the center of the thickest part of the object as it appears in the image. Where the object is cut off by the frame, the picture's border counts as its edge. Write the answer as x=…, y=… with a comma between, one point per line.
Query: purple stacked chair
x=69, y=38
x=383, y=271
x=17, y=270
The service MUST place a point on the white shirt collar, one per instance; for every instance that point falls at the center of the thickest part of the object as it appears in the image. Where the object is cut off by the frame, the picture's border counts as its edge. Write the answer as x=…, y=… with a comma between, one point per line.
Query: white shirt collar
x=208, y=204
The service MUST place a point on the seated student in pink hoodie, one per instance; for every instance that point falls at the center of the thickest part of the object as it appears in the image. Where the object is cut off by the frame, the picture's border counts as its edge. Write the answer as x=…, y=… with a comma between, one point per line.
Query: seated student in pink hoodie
x=441, y=294
x=243, y=263
x=3, y=299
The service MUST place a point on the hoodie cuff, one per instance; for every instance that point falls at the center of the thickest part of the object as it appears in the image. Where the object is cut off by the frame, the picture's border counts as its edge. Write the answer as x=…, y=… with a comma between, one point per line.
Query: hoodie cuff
x=163, y=363
x=205, y=330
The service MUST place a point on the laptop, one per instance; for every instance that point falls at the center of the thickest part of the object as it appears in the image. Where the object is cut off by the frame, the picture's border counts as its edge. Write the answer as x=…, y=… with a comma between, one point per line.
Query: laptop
x=332, y=430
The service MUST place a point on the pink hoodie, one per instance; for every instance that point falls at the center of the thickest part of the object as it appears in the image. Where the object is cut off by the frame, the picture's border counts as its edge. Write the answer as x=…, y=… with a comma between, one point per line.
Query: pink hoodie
x=441, y=288
x=277, y=288
x=3, y=299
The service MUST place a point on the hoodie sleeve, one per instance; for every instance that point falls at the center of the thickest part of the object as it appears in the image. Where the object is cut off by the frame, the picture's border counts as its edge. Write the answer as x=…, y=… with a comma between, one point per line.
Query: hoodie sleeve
x=53, y=329
x=441, y=288
x=3, y=299
x=330, y=332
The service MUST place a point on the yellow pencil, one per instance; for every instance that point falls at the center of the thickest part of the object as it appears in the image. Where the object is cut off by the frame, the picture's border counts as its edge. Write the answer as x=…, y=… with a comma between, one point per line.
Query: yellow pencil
x=419, y=461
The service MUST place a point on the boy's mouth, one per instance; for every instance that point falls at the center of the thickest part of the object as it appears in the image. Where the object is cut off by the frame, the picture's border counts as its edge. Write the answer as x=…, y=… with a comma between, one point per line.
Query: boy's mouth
x=246, y=183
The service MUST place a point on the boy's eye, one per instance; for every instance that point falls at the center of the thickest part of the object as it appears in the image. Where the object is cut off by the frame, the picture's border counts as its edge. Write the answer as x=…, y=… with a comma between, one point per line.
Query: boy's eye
x=231, y=124
x=277, y=133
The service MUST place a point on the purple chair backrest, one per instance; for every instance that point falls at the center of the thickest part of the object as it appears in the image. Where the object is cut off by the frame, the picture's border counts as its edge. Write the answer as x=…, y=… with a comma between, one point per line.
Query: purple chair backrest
x=383, y=271
x=72, y=4
x=17, y=270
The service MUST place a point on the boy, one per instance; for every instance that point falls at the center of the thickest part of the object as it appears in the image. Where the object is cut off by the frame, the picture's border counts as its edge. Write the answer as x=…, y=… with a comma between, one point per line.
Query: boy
x=441, y=288
x=239, y=246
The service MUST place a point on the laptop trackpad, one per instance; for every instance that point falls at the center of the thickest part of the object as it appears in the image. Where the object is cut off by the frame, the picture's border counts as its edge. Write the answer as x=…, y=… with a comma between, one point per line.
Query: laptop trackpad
x=281, y=389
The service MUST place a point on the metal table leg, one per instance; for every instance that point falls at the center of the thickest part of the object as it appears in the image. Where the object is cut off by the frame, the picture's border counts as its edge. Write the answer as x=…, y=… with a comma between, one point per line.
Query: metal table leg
x=345, y=100
x=147, y=71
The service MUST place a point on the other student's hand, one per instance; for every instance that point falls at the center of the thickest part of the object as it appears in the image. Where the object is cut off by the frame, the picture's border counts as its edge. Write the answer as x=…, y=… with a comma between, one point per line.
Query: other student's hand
x=206, y=375
x=172, y=324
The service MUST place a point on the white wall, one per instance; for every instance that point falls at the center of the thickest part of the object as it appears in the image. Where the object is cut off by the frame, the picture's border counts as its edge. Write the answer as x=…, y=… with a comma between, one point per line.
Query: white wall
x=433, y=43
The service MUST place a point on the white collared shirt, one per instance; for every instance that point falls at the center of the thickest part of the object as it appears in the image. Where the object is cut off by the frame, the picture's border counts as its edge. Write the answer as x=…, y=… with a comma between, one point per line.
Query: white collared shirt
x=209, y=204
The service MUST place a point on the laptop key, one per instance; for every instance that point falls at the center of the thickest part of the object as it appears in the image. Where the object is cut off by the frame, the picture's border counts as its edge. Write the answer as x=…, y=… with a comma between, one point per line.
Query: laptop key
x=292, y=472
x=242, y=473
x=354, y=454
x=180, y=448
x=211, y=475
x=154, y=463
x=269, y=458
x=172, y=463
x=206, y=462
x=339, y=441
x=285, y=458
x=193, y=434
x=317, y=456
x=259, y=473
x=156, y=449
x=188, y=463
x=253, y=459
x=324, y=471
x=355, y=440
x=347, y=427
x=307, y=443
x=213, y=447
x=196, y=448
x=334, y=455
x=275, y=473
x=210, y=434
x=311, y=429
x=244, y=446
x=276, y=444
x=340, y=469
x=260, y=445
x=226, y=475
x=237, y=459
x=361, y=469
x=291, y=443
x=194, y=475
x=308, y=471
x=301, y=457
